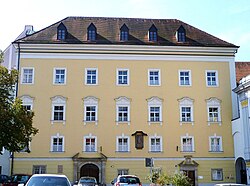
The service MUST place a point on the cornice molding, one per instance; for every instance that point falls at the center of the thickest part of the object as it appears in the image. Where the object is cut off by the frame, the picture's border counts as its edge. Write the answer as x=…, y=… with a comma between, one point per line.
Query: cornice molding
x=77, y=49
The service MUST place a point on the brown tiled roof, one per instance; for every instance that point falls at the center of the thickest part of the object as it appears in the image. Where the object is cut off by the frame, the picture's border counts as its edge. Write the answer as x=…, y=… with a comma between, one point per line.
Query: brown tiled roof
x=108, y=32
x=242, y=70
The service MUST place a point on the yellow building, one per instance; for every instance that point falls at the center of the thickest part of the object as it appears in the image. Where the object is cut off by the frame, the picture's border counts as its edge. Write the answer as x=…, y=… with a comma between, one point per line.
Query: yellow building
x=109, y=92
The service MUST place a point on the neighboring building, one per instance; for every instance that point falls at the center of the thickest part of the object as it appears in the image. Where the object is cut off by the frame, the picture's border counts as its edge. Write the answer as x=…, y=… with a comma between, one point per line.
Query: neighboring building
x=241, y=129
x=10, y=53
x=242, y=70
x=109, y=92
x=10, y=62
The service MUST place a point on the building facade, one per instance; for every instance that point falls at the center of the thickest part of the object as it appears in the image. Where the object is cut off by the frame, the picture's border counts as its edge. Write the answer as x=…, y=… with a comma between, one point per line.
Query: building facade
x=109, y=92
x=241, y=124
x=10, y=62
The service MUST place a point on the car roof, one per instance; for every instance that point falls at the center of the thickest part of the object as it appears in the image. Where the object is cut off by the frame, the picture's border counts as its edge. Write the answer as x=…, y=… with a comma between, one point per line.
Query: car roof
x=127, y=175
x=49, y=175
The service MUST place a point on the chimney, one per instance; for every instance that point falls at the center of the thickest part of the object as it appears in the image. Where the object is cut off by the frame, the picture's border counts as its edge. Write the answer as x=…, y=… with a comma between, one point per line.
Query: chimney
x=28, y=29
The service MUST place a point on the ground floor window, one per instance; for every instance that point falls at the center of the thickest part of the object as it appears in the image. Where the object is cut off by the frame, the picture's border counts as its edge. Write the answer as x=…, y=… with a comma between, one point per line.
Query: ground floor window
x=217, y=174
x=122, y=171
x=39, y=169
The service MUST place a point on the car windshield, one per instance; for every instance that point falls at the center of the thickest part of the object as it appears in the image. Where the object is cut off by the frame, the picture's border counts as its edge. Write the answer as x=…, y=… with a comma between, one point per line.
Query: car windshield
x=129, y=180
x=48, y=181
x=87, y=180
x=20, y=178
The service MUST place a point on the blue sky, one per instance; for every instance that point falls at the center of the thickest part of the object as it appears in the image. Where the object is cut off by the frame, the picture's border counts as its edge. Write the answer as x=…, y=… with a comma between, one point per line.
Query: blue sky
x=226, y=19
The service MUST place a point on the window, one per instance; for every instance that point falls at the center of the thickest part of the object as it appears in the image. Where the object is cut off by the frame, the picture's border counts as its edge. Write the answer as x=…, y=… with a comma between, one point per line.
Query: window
x=155, y=110
x=122, y=77
x=27, y=102
x=122, y=172
x=59, y=169
x=186, y=114
x=90, y=144
x=155, y=144
x=154, y=77
x=61, y=32
x=187, y=143
x=152, y=33
x=181, y=34
x=91, y=32
x=184, y=77
x=122, y=143
x=215, y=143
x=154, y=114
x=212, y=78
x=124, y=33
x=122, y=110
x=27, y=75
x=39, y=169
x=91, y=76
x=58, y=109
x=186, y=110
x=213, y=111
x=217, y=174
x=59, y=76
x=90, y=109
x=57, y=143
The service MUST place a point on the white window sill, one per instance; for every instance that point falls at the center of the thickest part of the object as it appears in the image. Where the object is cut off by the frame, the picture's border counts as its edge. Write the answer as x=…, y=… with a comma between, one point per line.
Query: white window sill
x=58, y=121
x=90, y=122
x=155, y=122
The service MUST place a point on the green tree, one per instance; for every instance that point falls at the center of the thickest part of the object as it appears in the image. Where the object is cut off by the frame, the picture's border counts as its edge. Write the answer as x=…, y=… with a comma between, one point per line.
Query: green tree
x=16, y=128
x=180, y=179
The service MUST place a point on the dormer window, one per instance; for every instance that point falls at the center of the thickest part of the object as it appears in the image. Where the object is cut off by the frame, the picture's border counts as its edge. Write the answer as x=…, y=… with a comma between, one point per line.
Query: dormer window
x=152, y=33
x=91, y=32
x=181, y=34
x=124, y=33
x=61, y=32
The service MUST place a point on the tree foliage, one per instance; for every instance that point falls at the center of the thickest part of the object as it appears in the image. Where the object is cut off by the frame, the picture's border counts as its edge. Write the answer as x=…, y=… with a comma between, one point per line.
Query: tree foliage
x=16, y=128
x=161, y=179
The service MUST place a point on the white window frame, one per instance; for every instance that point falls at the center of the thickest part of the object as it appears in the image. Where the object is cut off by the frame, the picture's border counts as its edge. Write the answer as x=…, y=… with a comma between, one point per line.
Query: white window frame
x=54, y=76
x=85, y=147
x=42, y=169
x=186, y=102
x=122, y=102
x=57, y=136
x=27, y=101
x=151, y=148
x=117, y=77
x=154, y=102
x=217, y=148
x=22, y=75
x=189, y=77
x=182, y=144
x=127, y=149
x=214, y=174
x=216, y=78
x=159, y=77
x=86, y=76
x=58, y=101
x=90, y=101
x=214, y=103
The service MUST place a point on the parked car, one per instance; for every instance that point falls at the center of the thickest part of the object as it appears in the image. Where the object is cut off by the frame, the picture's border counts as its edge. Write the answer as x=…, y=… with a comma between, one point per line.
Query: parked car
x=47, y=180
x=4, y=178
x=228, y=184
x=125, y=180
x=87, y=181
x=17, y=179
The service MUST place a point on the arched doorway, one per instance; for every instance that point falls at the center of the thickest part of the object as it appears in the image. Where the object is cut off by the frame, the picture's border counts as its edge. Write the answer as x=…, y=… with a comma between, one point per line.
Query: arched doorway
x=90, y=169
x=241, y=173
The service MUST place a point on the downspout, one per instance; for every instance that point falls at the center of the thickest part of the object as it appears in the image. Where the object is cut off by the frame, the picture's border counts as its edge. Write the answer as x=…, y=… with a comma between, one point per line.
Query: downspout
x=16, y=93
